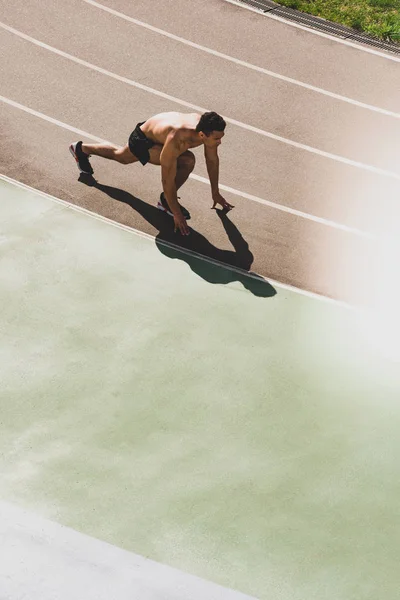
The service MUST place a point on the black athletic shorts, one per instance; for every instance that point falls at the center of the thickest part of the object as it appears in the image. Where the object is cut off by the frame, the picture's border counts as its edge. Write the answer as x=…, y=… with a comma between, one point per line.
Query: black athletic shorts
x=139, y=144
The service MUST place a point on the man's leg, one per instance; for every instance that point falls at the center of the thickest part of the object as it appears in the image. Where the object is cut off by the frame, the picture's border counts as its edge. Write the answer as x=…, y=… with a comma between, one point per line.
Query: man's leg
x=121, y=154
x=81, y=153
x=185, y=165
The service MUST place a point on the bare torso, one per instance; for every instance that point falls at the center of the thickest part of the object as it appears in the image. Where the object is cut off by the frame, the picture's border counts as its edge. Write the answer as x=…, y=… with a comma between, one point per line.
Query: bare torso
x=157, y=128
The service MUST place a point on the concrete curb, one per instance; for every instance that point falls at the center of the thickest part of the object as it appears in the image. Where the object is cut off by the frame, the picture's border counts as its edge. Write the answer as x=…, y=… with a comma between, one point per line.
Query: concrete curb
x=346, y=33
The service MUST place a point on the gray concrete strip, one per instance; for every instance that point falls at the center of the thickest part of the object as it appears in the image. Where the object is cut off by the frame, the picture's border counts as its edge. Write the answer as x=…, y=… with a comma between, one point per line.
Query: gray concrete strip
x=43, y=560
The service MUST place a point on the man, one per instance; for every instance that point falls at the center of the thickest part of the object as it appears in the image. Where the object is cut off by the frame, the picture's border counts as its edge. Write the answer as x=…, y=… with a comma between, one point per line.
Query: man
x=165, y=140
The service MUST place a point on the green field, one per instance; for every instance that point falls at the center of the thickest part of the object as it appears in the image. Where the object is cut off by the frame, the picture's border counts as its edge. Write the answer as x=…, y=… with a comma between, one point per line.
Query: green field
x=380, y=18
x=158, y=403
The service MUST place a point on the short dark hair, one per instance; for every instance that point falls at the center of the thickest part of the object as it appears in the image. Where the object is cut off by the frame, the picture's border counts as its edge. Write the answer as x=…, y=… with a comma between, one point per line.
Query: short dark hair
x=210, y=121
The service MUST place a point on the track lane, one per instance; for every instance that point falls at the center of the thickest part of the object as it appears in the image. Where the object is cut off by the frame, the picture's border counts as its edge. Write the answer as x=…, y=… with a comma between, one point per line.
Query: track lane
x=283, y=247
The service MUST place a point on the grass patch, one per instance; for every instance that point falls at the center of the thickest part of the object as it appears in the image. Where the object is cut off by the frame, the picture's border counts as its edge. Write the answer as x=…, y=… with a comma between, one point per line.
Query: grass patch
x=380, y=18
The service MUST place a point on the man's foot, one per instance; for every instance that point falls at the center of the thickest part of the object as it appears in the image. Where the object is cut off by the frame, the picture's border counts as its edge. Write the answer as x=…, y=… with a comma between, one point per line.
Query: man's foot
x=82, y=159
x=163, y=205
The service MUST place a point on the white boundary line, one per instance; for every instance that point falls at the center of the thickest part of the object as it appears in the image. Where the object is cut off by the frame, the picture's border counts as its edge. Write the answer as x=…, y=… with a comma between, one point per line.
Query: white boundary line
x=274, y=205
x=242, y=63
x=313, y=31
x=201, y=109
x=191, y=253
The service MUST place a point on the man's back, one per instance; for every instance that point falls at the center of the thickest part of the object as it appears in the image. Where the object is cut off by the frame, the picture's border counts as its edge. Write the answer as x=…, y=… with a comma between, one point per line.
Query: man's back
x=159, y=126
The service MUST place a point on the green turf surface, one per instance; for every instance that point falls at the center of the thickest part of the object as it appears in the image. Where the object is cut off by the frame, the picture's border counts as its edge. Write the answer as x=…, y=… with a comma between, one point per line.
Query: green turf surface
x=379, y=18
x=249, y=440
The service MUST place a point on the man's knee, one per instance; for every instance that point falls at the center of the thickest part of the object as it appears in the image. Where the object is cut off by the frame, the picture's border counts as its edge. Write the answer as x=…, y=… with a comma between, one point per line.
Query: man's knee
x=187, y=160
x=124, y=156
x=124, y=160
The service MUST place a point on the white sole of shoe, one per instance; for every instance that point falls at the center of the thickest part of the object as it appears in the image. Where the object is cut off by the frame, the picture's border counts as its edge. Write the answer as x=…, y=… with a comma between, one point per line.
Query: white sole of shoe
x=161, y=207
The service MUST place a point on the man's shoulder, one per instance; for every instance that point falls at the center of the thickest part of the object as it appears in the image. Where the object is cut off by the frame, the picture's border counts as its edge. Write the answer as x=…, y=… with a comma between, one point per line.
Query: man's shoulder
x=181, y=131
x=181, y=135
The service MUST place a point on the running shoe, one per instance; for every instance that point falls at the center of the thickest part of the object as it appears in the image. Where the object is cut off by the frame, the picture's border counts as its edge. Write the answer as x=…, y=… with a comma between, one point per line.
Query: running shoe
x=82, y=159
x=163, y=205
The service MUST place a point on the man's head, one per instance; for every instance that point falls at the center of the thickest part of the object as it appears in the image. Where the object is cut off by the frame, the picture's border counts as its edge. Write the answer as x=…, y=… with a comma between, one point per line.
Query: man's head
x=211, y=128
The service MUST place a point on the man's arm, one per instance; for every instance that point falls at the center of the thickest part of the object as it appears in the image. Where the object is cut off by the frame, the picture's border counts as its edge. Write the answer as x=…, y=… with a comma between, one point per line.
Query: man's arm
x=168, y=160
x=212, y=163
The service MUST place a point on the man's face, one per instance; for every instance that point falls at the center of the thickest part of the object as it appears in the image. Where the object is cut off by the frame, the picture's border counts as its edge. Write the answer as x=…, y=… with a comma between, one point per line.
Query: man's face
x=213, y=140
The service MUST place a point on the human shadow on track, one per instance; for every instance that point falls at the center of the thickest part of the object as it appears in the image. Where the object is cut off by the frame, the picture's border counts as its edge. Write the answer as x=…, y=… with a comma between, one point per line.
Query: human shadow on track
x=169, y=243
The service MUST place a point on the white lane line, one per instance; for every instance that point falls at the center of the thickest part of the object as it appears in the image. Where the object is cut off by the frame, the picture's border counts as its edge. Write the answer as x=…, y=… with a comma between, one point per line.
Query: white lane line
x=291, y=211
x=242, y=63
x=201, y=109
x=40, y=115
x=280, y=207
x=43, y=560
x=314, y=31
x=213, y=261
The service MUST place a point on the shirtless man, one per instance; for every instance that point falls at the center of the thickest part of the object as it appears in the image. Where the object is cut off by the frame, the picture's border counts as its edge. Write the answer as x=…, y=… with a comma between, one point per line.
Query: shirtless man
x=165, y=140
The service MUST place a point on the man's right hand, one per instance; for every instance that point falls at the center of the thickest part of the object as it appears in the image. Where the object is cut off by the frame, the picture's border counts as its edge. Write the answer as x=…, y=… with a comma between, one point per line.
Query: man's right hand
x=180, y=223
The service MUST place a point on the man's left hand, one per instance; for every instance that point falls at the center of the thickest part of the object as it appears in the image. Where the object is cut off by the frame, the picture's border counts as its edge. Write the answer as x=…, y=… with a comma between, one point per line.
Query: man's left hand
x=218, y=199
